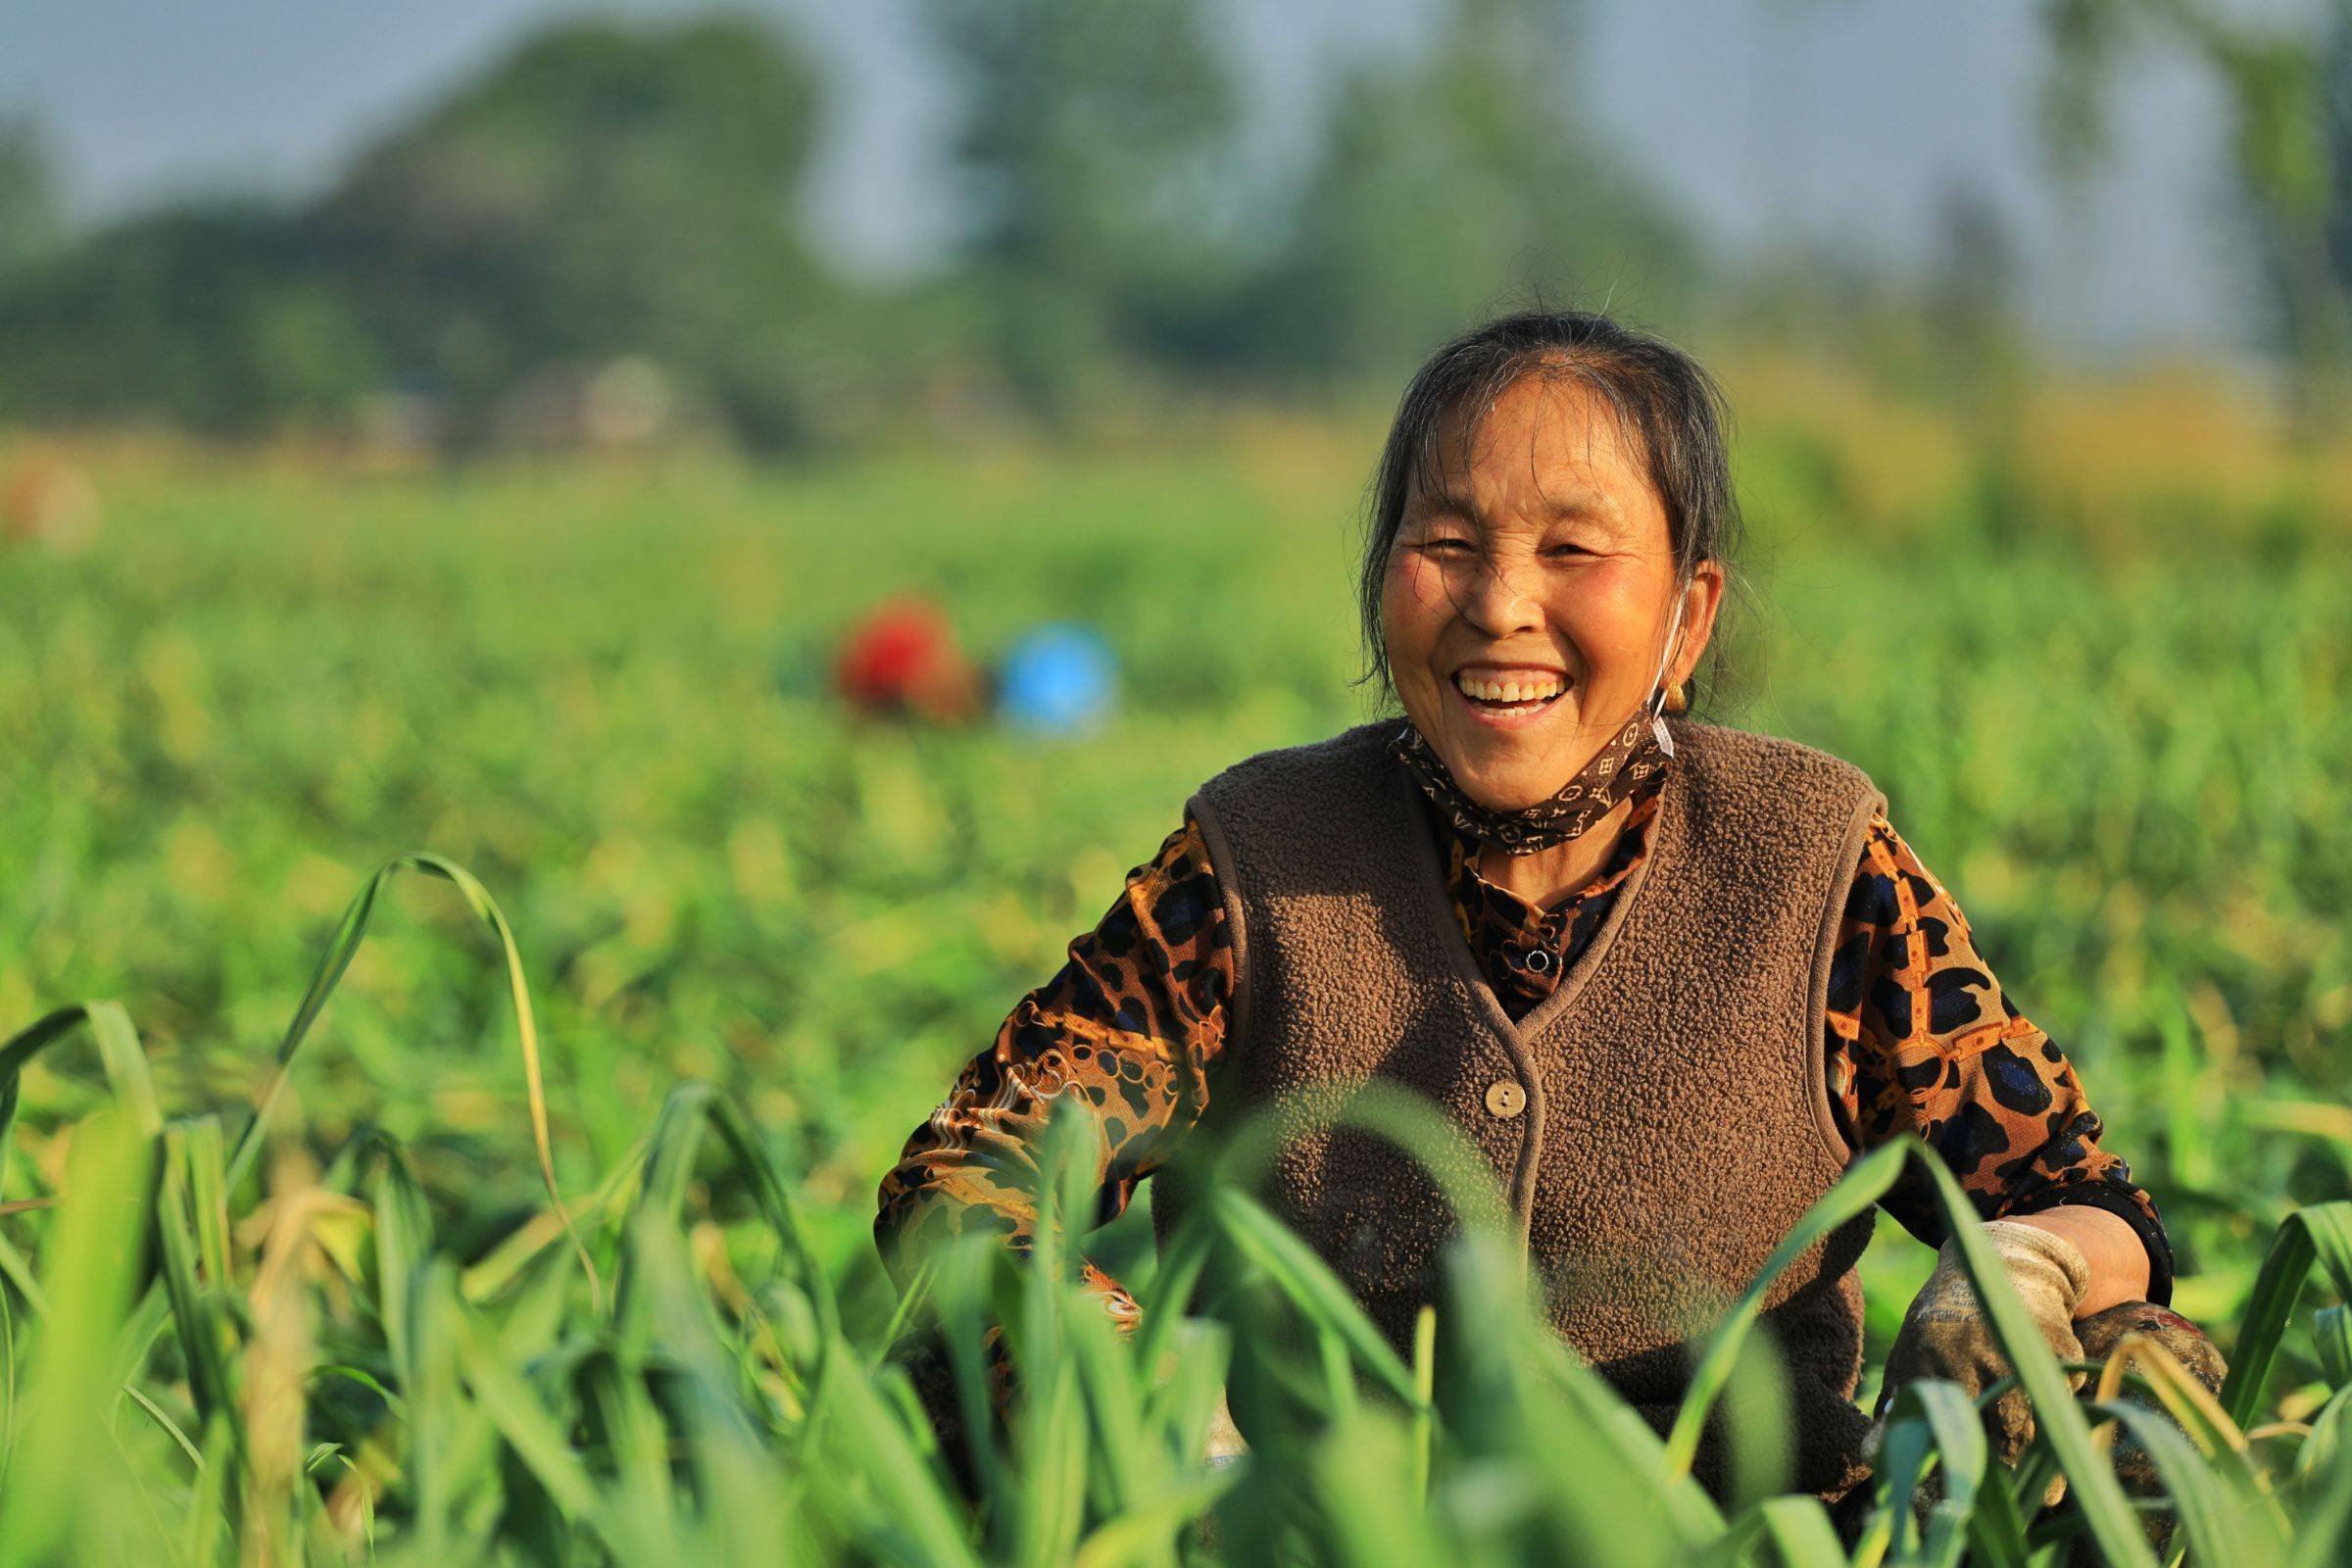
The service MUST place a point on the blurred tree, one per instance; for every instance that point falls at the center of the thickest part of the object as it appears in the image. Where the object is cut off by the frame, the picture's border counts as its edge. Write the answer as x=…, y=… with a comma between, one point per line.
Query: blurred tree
x=2335, y=120
x=29, y=217
x=215, y=317
x=1097, y=152
x=1451, y=181
x=1974, y=272
x=609, y=192
x=603, y=190
x=1979, y=351
x=2294, y=169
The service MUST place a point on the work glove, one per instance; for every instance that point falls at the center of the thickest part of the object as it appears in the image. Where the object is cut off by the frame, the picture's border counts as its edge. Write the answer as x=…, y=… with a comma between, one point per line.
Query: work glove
x=2100, y=1334
x=1947, y=1334
x=2187, y=1345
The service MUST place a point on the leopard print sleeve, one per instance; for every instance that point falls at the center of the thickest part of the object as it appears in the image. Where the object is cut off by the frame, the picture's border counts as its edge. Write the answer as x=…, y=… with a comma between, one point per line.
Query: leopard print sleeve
x=1130, y=1025
x=1921, y=1039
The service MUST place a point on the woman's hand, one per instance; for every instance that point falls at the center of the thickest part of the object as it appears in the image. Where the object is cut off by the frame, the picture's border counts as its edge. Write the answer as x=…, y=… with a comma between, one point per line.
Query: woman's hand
x=1947, y=1333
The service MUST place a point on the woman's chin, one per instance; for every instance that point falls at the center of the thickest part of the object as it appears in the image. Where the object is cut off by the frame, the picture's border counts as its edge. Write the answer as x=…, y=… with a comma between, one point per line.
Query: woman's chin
x=1506, y=768
x=1513, y=783
x=1507, y=793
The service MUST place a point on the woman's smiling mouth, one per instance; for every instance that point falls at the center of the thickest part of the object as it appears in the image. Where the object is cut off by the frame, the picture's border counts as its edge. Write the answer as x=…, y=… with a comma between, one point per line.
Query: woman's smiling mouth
x=1507, y=697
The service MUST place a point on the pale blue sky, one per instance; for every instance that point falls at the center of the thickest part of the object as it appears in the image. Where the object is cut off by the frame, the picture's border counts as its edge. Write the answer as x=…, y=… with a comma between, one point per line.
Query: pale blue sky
x=1757, y=117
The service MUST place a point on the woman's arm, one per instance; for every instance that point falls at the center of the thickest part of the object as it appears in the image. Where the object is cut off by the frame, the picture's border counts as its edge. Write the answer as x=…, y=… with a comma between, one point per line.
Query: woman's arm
x=1130, y=1027
x=1921, y=1039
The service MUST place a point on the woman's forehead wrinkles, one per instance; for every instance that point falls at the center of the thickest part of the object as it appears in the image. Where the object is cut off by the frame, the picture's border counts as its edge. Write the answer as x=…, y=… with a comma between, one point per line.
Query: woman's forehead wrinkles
x=1571, y=459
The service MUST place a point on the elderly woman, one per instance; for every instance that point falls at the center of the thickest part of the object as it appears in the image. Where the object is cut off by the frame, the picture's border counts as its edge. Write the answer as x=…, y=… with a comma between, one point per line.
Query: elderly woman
x=1669, y=977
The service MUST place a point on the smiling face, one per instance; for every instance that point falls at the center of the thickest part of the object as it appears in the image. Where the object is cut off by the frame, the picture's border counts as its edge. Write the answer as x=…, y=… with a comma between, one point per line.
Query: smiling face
x=1530, y=593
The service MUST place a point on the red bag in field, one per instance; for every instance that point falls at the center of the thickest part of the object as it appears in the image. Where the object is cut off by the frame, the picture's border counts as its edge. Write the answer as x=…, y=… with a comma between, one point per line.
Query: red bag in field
x=903, y=658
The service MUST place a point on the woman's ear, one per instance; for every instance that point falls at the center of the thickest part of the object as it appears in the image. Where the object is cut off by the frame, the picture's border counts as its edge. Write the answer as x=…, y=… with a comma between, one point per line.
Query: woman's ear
x=1701, y=597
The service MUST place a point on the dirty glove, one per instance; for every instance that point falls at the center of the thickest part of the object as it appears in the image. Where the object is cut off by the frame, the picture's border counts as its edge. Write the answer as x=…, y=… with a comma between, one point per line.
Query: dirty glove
x=2102, y=1333
x=1947, y=1334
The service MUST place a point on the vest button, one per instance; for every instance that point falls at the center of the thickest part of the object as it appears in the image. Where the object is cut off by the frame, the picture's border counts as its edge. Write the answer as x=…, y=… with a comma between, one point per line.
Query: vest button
x=1539, y=960
x=1506, y=1099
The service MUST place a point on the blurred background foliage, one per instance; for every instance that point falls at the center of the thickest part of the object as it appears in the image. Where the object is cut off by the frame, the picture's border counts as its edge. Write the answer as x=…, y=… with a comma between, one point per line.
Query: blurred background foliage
x=633, y=189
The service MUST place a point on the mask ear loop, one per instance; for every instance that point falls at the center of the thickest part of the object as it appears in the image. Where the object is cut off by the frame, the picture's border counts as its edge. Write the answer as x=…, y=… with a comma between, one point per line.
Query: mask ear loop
x=1658, y=699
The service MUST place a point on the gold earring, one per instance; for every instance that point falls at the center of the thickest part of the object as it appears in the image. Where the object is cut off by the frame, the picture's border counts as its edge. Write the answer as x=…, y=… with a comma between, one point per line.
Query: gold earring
x=1678, y=701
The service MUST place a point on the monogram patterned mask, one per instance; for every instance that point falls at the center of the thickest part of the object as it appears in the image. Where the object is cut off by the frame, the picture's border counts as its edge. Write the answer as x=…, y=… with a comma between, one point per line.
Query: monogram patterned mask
x=1634, y=755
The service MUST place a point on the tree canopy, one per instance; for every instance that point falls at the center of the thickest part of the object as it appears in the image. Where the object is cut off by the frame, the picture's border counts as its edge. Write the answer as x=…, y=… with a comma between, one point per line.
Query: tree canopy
x=608, y=191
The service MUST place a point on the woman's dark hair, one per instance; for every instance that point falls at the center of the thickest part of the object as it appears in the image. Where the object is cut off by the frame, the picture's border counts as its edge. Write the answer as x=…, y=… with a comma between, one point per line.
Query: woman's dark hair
x=1660, y=394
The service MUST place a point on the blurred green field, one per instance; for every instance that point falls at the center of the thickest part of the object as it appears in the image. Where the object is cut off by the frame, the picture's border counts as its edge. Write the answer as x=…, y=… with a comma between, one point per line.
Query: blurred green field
x=2113, y=710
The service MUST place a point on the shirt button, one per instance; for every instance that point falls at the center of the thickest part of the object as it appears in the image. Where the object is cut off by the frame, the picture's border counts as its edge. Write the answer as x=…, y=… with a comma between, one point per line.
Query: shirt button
x=1539, y=960
x=1506, y=1099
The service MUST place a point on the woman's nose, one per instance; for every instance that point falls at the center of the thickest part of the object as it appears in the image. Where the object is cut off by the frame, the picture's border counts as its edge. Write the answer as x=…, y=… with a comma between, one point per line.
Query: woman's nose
x=1494, y=602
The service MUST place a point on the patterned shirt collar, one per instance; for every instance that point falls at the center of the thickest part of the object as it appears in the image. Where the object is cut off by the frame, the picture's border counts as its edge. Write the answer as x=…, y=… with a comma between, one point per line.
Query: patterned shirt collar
x=1470, y=886
x=1524, y=949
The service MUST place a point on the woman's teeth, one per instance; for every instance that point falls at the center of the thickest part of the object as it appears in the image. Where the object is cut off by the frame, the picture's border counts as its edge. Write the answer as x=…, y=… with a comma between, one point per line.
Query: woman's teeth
x=1511, y=689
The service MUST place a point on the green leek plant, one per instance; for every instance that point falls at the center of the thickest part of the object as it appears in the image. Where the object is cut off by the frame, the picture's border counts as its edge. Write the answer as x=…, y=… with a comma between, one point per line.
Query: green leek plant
x=216, y=1349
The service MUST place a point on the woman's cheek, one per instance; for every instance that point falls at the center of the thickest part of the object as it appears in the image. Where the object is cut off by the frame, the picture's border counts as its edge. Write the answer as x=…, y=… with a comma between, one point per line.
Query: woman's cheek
x=1419, y=586
x=1608, y=612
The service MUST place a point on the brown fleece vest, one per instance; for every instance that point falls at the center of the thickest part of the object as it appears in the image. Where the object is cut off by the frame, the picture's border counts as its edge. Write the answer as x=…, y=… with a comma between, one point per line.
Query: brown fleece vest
x=1658, y=1124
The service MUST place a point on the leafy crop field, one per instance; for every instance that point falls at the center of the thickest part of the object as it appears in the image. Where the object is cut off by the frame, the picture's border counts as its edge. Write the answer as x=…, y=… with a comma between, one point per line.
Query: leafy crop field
x=694, y=950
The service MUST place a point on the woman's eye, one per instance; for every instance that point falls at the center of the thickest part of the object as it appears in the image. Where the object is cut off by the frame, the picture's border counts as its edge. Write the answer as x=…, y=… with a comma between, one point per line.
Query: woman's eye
x=1441, y=547
x=1566, y=550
